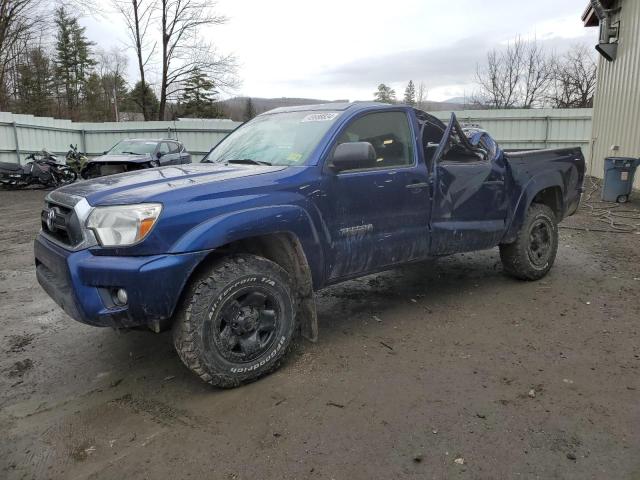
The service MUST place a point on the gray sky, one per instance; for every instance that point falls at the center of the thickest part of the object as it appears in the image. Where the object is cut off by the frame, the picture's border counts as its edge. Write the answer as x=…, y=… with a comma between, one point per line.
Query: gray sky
x=342, y=49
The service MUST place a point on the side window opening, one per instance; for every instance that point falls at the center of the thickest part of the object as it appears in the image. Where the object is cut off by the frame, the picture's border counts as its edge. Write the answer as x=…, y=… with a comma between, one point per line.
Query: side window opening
x=388, y=132
x=174, y=147
x=431, y=136
x=459, y=150
x=164, y=148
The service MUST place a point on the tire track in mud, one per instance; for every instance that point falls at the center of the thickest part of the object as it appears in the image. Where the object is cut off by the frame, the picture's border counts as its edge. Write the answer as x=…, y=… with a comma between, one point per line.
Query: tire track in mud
x=159, y=412
x=94, y=437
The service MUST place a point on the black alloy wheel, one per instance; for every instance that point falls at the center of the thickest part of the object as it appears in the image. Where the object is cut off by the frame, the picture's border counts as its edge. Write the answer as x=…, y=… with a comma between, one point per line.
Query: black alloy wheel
x=246, y=325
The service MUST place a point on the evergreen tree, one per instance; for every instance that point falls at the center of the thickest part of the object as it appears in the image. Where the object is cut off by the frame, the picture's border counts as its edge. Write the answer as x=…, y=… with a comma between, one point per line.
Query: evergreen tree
x=34, y=84
x=83, y=60
x=64, y=57
x=73, y=61
x=385, y=94
x=199, y=96
x=249, y=110
x=410, y=94
x=142, y=96
x=94, y=104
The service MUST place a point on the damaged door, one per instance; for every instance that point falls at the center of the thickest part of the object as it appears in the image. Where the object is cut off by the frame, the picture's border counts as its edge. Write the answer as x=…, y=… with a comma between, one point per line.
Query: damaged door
x=377, y=216
x=469, y=202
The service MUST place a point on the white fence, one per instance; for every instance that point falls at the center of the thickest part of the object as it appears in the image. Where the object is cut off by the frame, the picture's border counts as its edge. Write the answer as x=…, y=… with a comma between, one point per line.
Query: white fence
x=21, y=135
x=513, y=129
x=533, y=128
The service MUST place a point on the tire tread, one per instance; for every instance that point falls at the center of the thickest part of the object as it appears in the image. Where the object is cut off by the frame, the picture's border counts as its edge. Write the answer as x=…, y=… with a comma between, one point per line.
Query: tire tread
x=186, y=327
x=514, y=256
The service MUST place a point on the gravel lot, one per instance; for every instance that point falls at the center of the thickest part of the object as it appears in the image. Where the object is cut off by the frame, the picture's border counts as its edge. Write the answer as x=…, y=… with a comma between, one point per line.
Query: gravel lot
x=438, y=370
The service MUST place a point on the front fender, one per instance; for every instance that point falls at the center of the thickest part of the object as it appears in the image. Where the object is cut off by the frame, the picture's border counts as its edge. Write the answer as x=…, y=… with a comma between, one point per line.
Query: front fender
x=254, y=222
x=528, y=192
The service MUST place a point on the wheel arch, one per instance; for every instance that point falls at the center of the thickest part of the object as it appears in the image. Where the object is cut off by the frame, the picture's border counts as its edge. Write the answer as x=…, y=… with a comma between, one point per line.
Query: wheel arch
x=551, y=197
x=545, y=189
x=283, y=248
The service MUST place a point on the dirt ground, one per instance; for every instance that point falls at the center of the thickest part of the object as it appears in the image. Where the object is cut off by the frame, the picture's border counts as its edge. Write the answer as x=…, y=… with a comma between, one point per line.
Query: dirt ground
x=438, y=370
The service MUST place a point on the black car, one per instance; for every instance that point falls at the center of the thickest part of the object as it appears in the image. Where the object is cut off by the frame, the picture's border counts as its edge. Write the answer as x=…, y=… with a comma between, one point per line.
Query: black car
x=136, y=154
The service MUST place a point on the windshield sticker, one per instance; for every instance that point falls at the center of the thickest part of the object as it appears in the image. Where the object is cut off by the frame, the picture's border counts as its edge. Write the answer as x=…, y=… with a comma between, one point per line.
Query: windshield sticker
x=294, y=156
x=320, y=117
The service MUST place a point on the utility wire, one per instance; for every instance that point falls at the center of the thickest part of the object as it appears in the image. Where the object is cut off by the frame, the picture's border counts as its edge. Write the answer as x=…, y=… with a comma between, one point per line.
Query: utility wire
x=617, y=219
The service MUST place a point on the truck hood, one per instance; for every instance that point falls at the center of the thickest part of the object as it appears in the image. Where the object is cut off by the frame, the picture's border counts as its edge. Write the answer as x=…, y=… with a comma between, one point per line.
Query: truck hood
x=121, y=159
x=142, y=185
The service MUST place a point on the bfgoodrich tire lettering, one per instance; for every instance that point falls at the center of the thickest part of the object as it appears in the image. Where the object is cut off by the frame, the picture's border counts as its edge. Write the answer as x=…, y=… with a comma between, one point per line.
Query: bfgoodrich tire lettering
x=533, y=253
x=237, y=321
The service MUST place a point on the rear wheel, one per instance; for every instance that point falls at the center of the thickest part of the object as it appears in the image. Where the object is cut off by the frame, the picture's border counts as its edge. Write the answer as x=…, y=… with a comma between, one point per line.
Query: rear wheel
x=532, y=254
x=237, y=322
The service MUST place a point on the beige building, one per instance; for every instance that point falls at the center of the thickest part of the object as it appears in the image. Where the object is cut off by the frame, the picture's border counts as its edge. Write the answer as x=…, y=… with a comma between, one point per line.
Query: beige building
x=616, y=109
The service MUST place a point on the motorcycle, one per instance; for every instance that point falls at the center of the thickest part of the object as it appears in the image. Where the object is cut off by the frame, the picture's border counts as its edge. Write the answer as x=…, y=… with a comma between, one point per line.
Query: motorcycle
x=76, y=160
x=41, y=168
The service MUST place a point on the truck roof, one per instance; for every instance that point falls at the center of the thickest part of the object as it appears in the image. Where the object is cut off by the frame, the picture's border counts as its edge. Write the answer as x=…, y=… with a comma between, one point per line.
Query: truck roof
x=149, y=140
x=341, y=106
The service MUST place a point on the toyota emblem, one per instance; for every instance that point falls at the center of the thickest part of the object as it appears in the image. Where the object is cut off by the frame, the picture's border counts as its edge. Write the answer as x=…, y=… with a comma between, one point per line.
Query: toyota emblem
x=51, y=219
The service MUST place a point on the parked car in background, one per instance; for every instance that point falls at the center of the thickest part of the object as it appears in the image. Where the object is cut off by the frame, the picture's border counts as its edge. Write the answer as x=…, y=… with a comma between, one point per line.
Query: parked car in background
x=136, y=154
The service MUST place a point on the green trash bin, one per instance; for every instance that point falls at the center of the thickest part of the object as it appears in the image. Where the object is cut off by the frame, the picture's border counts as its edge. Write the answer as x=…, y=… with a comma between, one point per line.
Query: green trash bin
x=618, y=178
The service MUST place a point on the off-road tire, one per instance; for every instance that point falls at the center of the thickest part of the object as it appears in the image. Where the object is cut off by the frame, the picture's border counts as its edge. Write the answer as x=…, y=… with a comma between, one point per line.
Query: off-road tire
x=203, y=350
x=517, y=258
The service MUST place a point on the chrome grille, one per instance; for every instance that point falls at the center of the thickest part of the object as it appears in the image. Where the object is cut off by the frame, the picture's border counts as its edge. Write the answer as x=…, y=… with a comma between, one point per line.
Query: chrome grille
x=60, y=223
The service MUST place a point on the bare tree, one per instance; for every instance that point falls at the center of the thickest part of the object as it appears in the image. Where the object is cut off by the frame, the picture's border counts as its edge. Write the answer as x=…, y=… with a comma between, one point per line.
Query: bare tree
x=111, y=69
x=574, y=79
x=137, y=15
x=184, y=51
x=537, y=75
x=18, y=19
x=500, y=78
x=421, y=95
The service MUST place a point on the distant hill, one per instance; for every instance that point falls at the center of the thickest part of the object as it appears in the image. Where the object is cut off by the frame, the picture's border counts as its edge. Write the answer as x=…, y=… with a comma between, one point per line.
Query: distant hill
x=234, y=107
x=460, y=100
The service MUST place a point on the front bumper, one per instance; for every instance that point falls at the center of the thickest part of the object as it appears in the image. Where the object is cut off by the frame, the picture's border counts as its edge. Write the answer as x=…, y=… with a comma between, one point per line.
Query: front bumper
x=81, y=283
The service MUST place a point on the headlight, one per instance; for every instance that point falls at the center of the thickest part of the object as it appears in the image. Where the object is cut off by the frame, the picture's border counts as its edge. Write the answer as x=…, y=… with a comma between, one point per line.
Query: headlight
x=123, y=225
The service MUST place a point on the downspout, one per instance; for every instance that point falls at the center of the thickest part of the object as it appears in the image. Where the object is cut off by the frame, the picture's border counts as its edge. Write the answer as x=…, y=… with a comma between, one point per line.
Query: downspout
x=603, y=16
x=607, y=49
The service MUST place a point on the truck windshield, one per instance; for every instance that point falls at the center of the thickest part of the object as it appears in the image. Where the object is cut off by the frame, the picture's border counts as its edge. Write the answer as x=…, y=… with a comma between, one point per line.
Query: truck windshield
x=135, y=147
x=286, y=138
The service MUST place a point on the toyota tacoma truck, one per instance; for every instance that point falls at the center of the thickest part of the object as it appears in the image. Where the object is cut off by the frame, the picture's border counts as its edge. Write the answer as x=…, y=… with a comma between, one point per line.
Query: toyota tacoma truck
x=228, y=253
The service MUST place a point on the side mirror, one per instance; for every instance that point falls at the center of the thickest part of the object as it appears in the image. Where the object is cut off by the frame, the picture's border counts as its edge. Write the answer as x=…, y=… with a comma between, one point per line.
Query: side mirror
x=353, y=156
x=158, y=155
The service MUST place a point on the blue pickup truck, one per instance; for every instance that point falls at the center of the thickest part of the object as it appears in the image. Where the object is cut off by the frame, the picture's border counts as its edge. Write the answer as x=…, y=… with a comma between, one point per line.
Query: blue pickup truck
x=228, y=252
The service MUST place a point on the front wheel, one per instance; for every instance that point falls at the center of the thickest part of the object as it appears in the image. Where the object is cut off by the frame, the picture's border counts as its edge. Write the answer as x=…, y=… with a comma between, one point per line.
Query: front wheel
x=237, y=321
x=532, y=254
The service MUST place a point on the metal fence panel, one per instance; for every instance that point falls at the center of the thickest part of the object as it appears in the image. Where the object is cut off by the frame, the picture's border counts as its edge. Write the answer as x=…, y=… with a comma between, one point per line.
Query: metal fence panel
x=513, y=129
x=533, y=128
x=21, y=135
